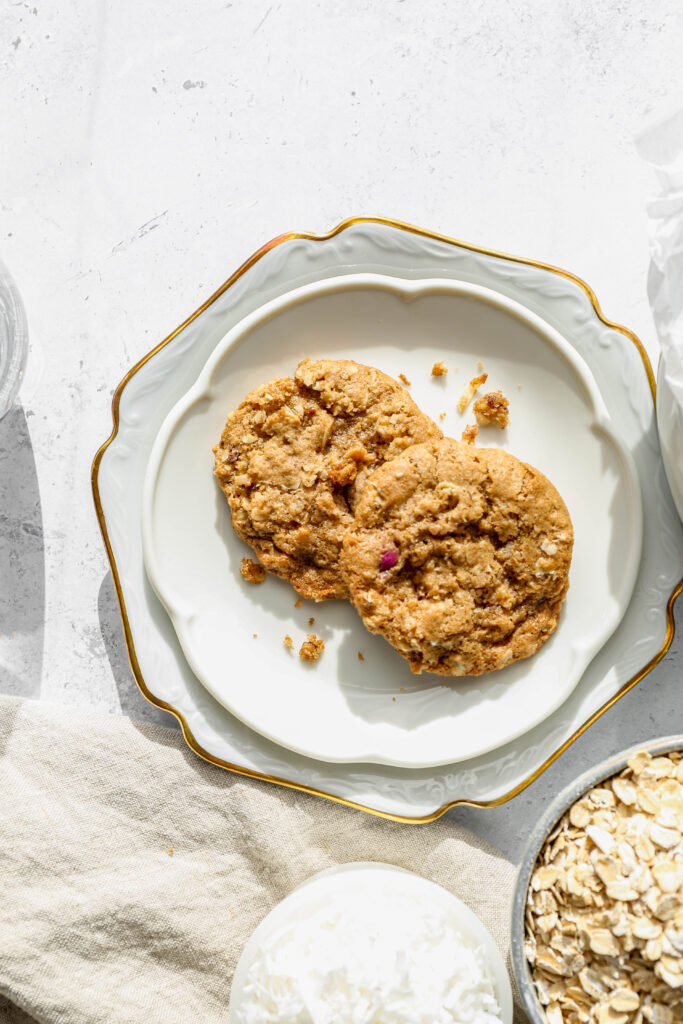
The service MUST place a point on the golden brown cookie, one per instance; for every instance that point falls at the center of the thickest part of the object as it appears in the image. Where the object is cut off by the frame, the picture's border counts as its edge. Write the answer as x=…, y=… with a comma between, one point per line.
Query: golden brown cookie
x=292, y=453
x=459, y=557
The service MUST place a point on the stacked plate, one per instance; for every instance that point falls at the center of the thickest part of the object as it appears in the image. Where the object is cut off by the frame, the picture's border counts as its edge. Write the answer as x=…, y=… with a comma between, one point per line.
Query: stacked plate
x=208, y=647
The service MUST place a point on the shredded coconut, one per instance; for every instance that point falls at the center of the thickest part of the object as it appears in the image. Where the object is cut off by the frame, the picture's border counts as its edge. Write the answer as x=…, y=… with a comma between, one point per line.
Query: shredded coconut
x=366, y=960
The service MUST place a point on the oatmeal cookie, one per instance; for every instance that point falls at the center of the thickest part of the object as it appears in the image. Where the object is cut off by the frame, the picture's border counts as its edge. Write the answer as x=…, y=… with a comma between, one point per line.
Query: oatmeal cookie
x=459, y=557
x=294, y=451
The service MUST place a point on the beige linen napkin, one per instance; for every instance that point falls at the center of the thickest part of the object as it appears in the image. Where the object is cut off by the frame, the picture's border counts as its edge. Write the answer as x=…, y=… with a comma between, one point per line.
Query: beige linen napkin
x=132, y=873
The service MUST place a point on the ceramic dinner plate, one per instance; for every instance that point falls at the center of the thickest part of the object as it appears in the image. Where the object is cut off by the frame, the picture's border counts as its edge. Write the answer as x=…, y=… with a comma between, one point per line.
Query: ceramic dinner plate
x=376, y=710
x=151, y=389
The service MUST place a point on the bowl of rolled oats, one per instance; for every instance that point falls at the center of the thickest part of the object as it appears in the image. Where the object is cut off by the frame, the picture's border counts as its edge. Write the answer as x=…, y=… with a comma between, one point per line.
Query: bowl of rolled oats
x=597, y=921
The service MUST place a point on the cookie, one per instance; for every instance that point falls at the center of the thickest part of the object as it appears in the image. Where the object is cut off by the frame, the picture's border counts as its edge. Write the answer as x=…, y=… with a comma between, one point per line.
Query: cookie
x=293, y=453
x=459, y=557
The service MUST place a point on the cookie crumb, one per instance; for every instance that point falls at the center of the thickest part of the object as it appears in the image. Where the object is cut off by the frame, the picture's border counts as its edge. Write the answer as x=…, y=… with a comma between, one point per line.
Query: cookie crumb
x=361, y=656
x=480, y=365
x=519, y=386
x=251, y=571
x=404, y=380
x=469, y=434
x=312, y=647
x=255, y=635
x=288, y=642
x=170, y=851
x=439, y=369
x=311, y=621
x=442, y=415
x=492, y=408
x=297, y=604
x=393, y=698
x=470, y=391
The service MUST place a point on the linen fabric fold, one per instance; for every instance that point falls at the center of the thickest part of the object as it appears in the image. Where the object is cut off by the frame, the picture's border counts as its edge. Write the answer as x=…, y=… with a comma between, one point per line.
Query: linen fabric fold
x=132, y=873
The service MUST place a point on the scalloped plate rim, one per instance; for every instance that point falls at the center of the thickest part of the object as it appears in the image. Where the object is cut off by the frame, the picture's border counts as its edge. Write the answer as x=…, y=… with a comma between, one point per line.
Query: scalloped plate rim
x=386, y=796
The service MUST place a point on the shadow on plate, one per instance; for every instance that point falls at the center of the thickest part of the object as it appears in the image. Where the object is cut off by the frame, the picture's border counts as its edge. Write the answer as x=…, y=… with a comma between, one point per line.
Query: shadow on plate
x=408, y=700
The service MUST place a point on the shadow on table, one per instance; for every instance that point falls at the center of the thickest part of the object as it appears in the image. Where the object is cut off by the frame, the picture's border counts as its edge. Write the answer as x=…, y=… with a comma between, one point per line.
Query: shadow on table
x=11, y=1014
x=133, y=704
x=22, y=560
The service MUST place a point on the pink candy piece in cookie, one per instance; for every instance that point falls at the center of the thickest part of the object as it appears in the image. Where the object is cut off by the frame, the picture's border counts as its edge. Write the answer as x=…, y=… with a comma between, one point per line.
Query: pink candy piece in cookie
x=388, y=559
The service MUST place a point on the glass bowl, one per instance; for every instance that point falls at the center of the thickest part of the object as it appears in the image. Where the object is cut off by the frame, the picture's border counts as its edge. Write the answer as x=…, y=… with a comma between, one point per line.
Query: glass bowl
x=13, y=340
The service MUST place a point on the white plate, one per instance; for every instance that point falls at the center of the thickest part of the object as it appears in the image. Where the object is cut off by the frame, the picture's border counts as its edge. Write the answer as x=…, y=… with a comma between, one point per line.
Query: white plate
x=377, y=711
x=380, y=883
x=151, y=389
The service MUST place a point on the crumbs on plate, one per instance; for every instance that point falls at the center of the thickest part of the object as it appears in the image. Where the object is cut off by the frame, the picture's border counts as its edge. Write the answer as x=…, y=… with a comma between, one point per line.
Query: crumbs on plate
x=470, y=391
x=439, y=369
x=469, y=434
x=312, y=647
x=404, y=380
x=288, y=642
x=361, y=656
x=492, y=408
x=251, y=571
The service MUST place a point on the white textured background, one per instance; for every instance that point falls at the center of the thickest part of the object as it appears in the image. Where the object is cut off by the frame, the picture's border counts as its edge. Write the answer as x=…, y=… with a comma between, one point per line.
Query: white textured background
x=148, y=148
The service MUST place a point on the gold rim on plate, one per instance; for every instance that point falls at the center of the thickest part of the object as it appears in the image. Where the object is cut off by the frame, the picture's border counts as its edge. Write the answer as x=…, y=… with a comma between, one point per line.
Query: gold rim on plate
x=187, y=733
